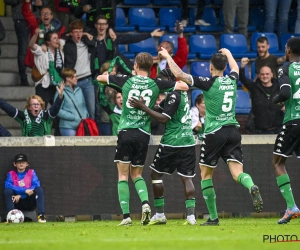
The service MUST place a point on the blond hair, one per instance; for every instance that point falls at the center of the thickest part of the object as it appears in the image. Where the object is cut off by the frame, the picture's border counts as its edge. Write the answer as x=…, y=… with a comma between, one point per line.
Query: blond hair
x=40, y=100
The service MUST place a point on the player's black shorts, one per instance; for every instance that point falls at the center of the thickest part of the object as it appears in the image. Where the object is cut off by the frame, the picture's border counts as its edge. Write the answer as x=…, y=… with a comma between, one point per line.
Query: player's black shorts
x=288, y=140
x=167, y=159
x=132, y=147
x=225, y=143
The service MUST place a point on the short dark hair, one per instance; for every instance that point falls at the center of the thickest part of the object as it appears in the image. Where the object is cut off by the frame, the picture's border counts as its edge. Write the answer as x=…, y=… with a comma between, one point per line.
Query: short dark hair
x=294, y=45
x=262, y=39
x=199, y=99
x=101, y=17
x=219, y=61
x=144, y=60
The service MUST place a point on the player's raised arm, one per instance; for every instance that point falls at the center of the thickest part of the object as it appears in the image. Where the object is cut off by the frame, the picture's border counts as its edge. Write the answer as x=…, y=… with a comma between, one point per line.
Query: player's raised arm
x=178, y=73
x=232, y=63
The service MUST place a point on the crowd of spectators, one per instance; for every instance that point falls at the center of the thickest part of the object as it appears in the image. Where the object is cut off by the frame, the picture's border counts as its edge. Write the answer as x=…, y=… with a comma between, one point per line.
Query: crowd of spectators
x=52, y=36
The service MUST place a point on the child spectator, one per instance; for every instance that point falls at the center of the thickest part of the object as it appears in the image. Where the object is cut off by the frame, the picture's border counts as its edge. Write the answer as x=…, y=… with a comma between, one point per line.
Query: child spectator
x=34, y=120
x=198, y=116
x=23, y=190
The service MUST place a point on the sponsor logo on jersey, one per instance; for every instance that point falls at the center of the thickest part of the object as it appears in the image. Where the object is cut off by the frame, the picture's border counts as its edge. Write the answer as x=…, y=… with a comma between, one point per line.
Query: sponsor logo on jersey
x=296, y=66
x=297, y=108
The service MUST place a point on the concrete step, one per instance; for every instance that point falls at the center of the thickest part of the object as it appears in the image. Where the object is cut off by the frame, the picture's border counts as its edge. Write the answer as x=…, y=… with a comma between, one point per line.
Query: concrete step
x=15, y=131
x=10, y=37
x=13, y=79
x=16, y=93
x=8, y=23
x=9, y=122
x=9, y=50
x=8, y=64
x=18, y=104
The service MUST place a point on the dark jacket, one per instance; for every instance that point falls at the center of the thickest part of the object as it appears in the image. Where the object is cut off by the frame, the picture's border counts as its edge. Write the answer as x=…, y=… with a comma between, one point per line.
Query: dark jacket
x=99, y=7
x=266, y=114
x=70, y=52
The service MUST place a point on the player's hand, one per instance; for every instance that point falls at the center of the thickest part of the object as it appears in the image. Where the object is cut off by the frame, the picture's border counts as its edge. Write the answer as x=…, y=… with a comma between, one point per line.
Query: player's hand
x=163, y=53
x=225, y=51
x=16, y=198
x=137, y=103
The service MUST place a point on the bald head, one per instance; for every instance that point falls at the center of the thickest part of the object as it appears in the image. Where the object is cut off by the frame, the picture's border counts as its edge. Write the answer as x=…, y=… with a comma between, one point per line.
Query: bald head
x=265, y=75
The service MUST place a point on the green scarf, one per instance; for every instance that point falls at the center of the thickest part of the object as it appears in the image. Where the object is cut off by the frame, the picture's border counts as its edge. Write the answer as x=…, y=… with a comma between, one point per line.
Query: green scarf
x=114, y=62
x=55, y=67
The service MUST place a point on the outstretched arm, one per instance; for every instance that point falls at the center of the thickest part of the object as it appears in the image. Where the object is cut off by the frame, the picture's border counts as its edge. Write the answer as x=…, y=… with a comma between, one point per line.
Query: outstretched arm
x=176, y=70
x=32, y=45
x=140, y=104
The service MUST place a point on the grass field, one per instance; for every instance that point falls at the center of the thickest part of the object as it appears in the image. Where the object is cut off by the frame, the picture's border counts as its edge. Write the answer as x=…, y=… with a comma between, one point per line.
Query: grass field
x=241, y=233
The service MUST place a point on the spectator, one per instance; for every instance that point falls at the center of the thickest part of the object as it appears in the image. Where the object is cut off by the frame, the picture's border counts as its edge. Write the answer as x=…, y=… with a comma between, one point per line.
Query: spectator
x=4, y=132
x=49, y=63
x=68, y=114
x=180, y=57
x=2, y=33
x=34, y=120
x=268, y=116
x=200, y=9
x=230, y=8
x=283, y=16
x=265, y=58
x=297, y=26
x=94, y=8
x=198, y=116
x=23, y=190
x=76, y=50
x=64, y=10
x=45, y=24
x=107, y=47
x=22, y=32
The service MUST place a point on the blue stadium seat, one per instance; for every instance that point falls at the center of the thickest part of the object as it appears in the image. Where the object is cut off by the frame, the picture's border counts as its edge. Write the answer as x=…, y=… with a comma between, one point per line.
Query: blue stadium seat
x=200, y=69
x=209, y=15
x=203, y=45
x=121, y=23
x=194, y=95
x=147, y=45
x=137, y=2
x=273, y=42
x=195, y=2
x=123, y=49
x=144, y=19
x=166, y=2
x=169, y=16
x=285, y=38
x=173, y=38
x=257, y=18
x=237, y=45
x=243, y=102
x=218, y=2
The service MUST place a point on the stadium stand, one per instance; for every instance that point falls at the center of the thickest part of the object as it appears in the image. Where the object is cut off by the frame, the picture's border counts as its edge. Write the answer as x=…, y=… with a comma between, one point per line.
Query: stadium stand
x=121, y=22
x=194, y=95
x=237, y=44
x=200, y=69
x=144, y=19
x=137, y=2
x=203, y=45
x=284, y=38
x=147, y=45
x=243, y=102
x=123, y=48
x=173, y=38
x=209, y=16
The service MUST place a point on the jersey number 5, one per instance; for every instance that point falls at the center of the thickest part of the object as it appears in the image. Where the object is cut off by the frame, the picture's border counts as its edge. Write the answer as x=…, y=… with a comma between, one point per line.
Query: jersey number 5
x=135, y=93
x=227, y=101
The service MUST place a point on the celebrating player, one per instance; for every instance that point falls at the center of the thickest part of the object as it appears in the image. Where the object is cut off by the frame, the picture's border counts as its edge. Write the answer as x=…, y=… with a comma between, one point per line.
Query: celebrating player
x=134, y=130
x=288, y=140
x=176, y=149
x=222, y=138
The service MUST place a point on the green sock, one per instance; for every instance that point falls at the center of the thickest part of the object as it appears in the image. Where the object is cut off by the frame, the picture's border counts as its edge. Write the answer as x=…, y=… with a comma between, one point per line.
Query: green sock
x=141, y=188
x=124, y=195
x=159, y=204
x=245, y=180
x=283, y=182
x=209, y=195
x=190, y=205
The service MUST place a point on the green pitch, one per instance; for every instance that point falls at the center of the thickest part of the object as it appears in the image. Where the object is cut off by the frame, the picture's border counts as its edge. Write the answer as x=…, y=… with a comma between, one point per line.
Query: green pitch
x=241, y=233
